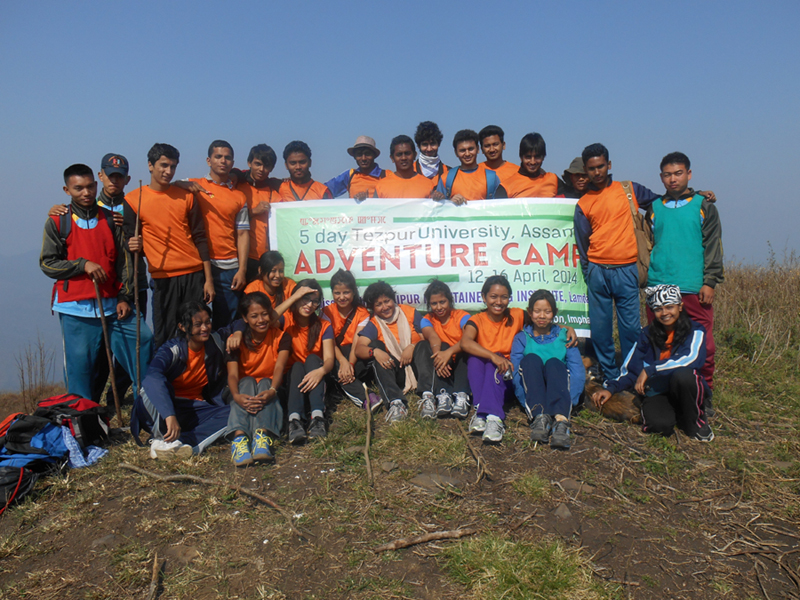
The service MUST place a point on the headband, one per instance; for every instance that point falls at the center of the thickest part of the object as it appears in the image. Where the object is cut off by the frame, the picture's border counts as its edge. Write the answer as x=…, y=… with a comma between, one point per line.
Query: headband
x=662, y=295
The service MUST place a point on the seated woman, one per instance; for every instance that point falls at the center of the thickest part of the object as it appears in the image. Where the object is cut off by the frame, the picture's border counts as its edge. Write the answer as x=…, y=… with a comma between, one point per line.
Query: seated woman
x=181, y=403
x=664, y=367
x=273, y=282
x=390, y=340
x=548, y=375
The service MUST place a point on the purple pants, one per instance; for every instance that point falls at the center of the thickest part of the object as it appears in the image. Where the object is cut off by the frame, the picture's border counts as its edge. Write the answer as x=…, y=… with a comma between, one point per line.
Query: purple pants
x=489, y=390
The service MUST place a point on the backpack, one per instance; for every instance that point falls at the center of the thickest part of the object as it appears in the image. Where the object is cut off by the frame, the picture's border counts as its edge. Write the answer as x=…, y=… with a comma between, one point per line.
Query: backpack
x=34, y=443
x=15, y=484
x=87, y=420
x=64, y=223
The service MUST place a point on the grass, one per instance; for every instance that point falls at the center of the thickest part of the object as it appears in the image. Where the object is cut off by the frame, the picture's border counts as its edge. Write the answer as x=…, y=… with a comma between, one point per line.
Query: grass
x=532, y=485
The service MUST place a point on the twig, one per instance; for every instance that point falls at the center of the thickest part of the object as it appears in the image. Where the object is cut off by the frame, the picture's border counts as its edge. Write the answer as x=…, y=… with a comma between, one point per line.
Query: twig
x=482, y=470
x=704, y=498
x=235, y=488
x=154, y=579
x=609, y=438
x=108, y=352
x=368, y=410
x=758, y=578
x=421, y=539
x=136, y=298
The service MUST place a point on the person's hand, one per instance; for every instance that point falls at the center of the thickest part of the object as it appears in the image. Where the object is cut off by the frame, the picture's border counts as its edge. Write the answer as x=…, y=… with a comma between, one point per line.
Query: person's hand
x=346, y=373
x=360, y=196
x=709, y=195
x=57, y=210
x=437, y=195
x=502, y=363
x=640, y=383
x=706, y=295
x=119, y=219
x=234, y=341
x=600, y=398
x=267, y=396
x=301, y=291
x=444, y=372
x=442, y=358
x=261, y=207
x=95, y=272
x=407, y=355
x=123, y=310
x=311, y=380
x=383, y=358
x=193, y=186
x=173, y=429
x=251, y=404
x=458, y=200
x=572, y=337
x=239, y=280
x=135, y=244
x=208, y=292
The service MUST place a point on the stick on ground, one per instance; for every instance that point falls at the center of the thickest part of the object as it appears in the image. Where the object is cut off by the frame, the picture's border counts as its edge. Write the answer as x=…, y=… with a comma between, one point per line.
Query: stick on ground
x=154, y=579
x=195, y=479
x=108, y=354
x=482, y=470
x=368, y=410
x=136, y=298
x=421, y=539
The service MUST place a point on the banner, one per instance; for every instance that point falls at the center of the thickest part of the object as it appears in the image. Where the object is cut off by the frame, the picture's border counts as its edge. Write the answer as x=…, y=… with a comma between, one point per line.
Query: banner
x=409, y=242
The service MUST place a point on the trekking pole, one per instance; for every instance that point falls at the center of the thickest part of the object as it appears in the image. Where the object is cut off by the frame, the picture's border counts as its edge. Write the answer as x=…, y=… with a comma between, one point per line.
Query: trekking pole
x=136, y=297
x=108, y=353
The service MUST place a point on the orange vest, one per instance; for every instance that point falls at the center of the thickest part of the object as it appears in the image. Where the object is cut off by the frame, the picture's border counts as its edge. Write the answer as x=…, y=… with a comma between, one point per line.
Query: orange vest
x=613, y=241
x=522, y=186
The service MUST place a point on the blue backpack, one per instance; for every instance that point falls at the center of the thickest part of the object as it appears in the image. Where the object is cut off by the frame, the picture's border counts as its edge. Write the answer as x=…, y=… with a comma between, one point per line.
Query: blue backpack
x=34, y=443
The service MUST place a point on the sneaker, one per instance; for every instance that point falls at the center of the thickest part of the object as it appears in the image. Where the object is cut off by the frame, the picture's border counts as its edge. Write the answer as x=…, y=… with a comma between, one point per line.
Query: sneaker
x=318, y=428
x=494, y=430
x=560, y=438
x=444, y=404
x=460, y=405
x=297, y=435
x=262, y=446
x=704, y=434
x=159, y=449
x=397, y=411
x=375, y=401
x=427, y=408
x=240, y=451
x=540, y=428
x=477, y=425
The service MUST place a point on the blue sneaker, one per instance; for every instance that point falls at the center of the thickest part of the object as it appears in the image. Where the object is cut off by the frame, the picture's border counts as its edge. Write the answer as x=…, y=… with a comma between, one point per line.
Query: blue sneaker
x=262, y=446
x=240, y=451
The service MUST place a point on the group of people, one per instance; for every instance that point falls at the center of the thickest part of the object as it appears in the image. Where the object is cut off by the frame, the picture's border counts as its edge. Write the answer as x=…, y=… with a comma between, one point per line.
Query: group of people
x=268, y=356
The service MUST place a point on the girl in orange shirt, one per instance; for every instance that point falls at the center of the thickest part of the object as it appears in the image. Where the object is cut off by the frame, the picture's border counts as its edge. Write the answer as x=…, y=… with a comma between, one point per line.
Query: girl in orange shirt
x=307, y=346
x=254, y=376
x=272, y=282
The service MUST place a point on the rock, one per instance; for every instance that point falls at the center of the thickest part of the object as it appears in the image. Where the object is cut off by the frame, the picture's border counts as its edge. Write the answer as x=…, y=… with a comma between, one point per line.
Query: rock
x=182, y=554
x=107, y=541
x=355, y=449
x=570, y=485
x=434, y=482
x=388, y=466
x=562, y=512
x=705, y=463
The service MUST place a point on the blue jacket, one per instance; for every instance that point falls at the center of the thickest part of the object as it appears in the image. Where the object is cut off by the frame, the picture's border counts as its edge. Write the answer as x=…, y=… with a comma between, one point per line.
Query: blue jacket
x=575, y=368
x=691, y=353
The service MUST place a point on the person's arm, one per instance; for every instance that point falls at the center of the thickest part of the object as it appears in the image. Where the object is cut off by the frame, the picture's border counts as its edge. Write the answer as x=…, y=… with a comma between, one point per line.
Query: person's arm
x=338, y=185
x=315, y=377
x=298, y=293
x=156, y=390
x=517, y=352
x=577, y=374
x=694, y=358
x=583, y=233
x=243, y=250
x=471, y=346
x=644, y=196
x=713, y=272
x=364, y=350
x=632, y=367
x=52, y=259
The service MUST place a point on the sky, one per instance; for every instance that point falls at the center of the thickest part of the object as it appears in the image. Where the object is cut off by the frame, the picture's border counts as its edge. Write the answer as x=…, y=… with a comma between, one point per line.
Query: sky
x=716, y=80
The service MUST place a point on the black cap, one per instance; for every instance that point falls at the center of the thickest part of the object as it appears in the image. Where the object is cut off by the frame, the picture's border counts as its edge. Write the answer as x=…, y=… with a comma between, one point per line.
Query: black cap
x=114, y=163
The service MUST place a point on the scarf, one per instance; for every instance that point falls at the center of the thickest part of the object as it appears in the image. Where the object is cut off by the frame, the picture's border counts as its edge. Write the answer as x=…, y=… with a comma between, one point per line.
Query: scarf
x=395, y=346
x=429, y=165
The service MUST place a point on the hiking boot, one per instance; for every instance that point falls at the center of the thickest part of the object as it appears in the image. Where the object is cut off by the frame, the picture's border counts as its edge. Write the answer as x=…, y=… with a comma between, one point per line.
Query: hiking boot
x=375, y=401
x=318, y=428
x=704, y=434
x=427, y=408
x=477, y=425
x=297, y=435
x=460, y=405
x=240, y=451
x=444, y=404
x=540, y=428
x=159, y=449
x=494, y=430
x=560, y=437
x=262, y=446
x=398, y=411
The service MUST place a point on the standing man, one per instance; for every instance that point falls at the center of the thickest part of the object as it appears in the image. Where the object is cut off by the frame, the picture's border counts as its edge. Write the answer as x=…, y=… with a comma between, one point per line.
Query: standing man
x=80, y=249
x=173, y=238
x=359, y=183
x=493, y=143
x=531, y=181
x=470, y=180
x=687, y=248
x=429, y=137
x=406, y=182
x=576, y=181
x=300, y=185
x=227, y=222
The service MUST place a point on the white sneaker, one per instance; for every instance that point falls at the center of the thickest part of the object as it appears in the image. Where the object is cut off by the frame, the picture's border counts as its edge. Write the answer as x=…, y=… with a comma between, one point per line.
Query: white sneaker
x=159, y=449
x=477, y=425
x=427, y=409
x=494, y=430
x=444, y=404
x=460, y=405
x=397, y=411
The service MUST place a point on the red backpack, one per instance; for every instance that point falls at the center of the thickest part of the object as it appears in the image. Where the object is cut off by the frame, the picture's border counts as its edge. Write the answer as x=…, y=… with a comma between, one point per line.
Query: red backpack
x=87, y=420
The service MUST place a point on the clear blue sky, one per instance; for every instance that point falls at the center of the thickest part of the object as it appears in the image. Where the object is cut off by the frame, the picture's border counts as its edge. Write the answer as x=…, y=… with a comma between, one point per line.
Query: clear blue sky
x=716, y=80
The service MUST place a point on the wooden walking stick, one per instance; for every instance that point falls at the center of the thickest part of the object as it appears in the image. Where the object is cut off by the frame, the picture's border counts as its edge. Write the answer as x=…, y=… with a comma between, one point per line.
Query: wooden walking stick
x=136, y=297
x=368, y=410
x=108, y=353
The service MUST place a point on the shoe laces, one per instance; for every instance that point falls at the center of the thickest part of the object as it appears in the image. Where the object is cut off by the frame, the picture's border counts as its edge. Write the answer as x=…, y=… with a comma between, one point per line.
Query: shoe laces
x=396, y=408
x=240, y=446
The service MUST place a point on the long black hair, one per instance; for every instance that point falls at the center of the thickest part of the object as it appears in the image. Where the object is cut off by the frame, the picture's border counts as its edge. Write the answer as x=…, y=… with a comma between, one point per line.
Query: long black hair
x=346, y=278
x=268, y=261
x=657, y=333
x=259, y=299
x=498, y=280
x=314, y=322
x=185, y=313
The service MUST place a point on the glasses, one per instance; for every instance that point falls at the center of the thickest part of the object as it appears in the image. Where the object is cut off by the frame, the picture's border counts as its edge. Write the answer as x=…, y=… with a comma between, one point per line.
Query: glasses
x=312, y=300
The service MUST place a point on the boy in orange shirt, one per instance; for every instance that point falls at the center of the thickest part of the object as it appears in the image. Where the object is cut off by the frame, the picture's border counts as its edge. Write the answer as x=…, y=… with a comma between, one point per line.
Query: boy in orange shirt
x=531, y=181
x=359, y=183
x=300, y=186
x=493, y=143
x=406, y=182
x=470, y=180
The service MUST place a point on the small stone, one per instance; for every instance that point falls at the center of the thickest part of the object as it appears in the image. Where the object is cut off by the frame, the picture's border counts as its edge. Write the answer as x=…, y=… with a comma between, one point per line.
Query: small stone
x=434, y=482
x=388, y=466
x=562, y=512
x=705, y=463
x=183, y=554
x=570, y=485
x=354, y=449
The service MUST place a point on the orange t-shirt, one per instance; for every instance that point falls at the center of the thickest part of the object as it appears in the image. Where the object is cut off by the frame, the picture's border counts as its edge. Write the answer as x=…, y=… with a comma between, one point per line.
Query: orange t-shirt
x=295, y=339
x=313, y=190
x=409, y=313
x=191, y=382
x=331, y=314
x=260, y=362
x=450, y=332
x=257, y=285
x=471, y=185
x=522, y=186
x=219, y=214
x=497, y=337
x=608, y=211
x=360, y=182
x=504, y=171
x=259, y=224
x=665, y=354
x=166, y=236
x=393, y=186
